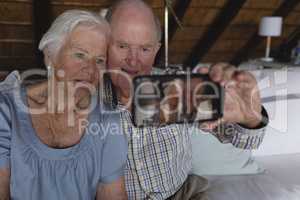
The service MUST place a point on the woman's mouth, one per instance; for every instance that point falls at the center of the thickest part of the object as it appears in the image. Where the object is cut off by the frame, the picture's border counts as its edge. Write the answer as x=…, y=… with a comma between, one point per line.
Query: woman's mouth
x=83, y=81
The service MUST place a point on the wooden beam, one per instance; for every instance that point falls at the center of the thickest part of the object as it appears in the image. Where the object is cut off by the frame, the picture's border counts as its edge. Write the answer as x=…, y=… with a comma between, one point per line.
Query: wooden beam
x=220, y=23
x=180, y=9
x=283, y=10
x=283, y=53
x=42, y=16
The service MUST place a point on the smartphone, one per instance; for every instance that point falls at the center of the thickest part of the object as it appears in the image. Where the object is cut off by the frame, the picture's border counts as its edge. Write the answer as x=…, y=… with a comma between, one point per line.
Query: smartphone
x=182, y=98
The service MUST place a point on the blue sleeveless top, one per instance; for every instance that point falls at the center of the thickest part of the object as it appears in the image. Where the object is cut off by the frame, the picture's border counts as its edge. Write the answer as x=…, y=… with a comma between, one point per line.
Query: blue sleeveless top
x=41, y=172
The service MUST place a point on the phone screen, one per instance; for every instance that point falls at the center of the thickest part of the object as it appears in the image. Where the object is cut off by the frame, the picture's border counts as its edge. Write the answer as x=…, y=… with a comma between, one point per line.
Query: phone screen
x=164, y=99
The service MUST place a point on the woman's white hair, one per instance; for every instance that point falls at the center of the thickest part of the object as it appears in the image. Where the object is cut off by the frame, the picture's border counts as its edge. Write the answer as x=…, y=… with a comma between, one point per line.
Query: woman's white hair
x=64, y=24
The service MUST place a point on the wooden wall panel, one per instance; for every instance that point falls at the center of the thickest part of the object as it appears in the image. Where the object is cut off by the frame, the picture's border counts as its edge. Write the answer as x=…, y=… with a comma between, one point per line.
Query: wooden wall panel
x=250, y=16
x=16, y=30
x=200, y=16
x=15, y=12
x=227, y=46
x=17, y=62
x=9, y=31
x=239, y=32
x=21, y=48
x=189, y=33
x=177, y=58
x=208, y=4
x=292, y=19
x=99, y=3
x=216, y=57
x=181, y=46
x=287, y=30
x=81, y=2
x=262, y=4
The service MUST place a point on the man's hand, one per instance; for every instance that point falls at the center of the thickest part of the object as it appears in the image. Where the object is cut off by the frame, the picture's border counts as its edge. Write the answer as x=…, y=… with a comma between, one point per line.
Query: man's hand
x=242, y=102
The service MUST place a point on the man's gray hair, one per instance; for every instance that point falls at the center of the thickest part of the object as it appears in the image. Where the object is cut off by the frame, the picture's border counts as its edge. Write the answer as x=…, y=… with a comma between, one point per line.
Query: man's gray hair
x=118, y=3
x=64, y=24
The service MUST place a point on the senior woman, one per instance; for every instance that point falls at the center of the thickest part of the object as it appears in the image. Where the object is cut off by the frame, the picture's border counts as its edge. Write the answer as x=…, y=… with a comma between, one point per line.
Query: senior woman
x=55, y=140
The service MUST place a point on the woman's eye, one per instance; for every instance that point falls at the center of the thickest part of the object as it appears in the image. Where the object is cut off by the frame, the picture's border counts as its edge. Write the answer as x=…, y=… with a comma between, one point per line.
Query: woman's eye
x=79, y=55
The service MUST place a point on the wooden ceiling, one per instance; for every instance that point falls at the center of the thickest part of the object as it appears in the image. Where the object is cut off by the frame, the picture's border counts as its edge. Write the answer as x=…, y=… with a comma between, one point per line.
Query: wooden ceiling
x=213, y=30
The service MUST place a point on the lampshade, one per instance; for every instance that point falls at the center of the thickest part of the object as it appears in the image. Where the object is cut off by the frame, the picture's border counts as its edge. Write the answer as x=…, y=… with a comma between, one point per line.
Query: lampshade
x=270, y=26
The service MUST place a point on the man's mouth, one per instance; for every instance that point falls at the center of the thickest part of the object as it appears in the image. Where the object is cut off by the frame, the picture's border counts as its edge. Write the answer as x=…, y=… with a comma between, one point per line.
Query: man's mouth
x=130, y=71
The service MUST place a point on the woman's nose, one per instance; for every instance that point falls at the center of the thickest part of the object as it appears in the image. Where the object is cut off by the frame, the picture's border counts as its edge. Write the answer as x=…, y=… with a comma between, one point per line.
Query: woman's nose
x=90, y=65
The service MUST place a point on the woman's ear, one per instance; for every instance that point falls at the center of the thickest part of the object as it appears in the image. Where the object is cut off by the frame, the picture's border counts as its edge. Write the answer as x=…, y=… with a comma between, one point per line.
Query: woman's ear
x=47, y=58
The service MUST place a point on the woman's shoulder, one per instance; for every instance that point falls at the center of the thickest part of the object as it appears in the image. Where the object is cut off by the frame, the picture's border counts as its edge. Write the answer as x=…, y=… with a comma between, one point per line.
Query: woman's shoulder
x=11, y=82
x=9, y=86
x=10, y=93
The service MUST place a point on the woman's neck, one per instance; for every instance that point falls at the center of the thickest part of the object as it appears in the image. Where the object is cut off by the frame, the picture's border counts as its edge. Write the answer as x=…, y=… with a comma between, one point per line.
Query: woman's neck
x=57, y=97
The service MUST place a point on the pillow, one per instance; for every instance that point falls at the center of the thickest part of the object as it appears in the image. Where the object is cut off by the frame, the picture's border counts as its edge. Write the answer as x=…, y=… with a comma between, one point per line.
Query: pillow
x=211, y=157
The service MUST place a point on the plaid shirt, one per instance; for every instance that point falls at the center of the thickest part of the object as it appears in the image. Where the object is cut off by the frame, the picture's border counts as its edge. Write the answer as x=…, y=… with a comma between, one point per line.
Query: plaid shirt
x=159, y=159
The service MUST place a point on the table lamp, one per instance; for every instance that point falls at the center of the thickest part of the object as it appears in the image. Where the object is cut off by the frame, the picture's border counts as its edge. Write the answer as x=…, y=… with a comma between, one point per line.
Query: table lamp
x=270, y=27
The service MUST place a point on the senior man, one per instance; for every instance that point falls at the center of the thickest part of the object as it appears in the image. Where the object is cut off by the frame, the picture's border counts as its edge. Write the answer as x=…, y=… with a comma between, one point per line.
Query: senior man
x=159, y=159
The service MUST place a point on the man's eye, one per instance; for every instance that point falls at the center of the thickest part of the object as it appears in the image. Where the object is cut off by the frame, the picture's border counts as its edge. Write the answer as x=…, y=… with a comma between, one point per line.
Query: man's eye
x=79, y=55
x=146, y=49
x=100, y=61
x=123, y=46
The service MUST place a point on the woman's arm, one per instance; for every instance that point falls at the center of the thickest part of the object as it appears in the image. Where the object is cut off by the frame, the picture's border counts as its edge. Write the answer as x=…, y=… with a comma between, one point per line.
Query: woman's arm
x=113, y=191
x=4, y=184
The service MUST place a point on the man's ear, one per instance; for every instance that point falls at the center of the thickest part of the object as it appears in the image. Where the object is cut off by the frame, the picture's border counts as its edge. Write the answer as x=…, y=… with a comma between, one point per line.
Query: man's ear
x=157, y=47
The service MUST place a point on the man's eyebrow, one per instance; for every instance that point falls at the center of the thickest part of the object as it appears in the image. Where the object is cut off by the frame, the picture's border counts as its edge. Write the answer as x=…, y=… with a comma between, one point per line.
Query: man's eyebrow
x=142, y=45
x=148, y=45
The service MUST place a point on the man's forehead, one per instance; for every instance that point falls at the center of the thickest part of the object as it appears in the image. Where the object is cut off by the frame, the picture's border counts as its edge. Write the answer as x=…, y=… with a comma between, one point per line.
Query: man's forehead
x=134, y=31
x=134, y=25
x=135, y=13
x=136, y=8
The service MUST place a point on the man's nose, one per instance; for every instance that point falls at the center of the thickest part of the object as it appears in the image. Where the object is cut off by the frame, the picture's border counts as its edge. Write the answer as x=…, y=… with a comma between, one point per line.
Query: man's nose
x=132, y=57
